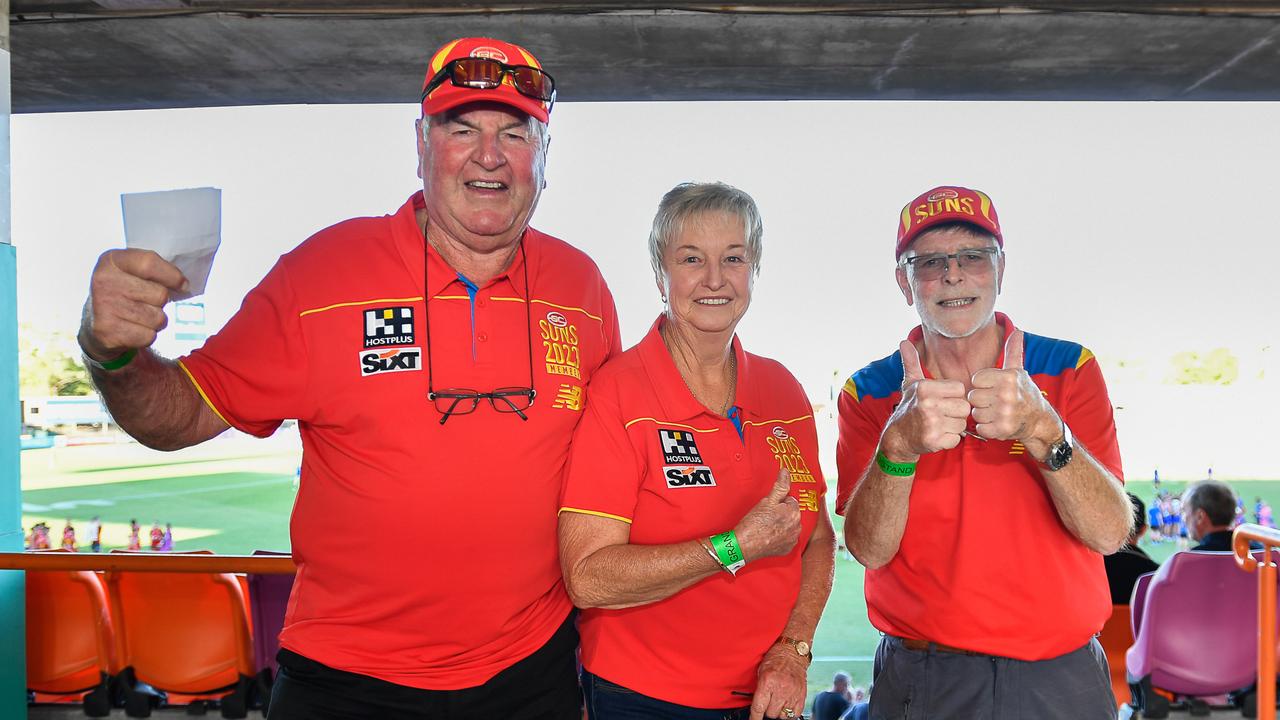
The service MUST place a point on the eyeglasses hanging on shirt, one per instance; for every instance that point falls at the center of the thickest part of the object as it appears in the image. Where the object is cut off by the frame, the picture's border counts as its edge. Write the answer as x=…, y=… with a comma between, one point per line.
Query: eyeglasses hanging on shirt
x=464, y=401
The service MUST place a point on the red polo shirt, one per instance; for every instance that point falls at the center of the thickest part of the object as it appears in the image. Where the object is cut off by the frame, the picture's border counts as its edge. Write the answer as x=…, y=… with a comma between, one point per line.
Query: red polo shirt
x=647, y=453
x=985, y=562
x=336, y=337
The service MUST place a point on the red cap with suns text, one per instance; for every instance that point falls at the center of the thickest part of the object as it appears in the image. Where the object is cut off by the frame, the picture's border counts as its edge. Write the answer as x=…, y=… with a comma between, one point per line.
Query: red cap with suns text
x=448, y=95
x=947, y=204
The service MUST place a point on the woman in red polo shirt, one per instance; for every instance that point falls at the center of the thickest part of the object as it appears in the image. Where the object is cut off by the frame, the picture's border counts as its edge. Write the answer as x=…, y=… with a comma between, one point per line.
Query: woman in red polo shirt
x=693, y=528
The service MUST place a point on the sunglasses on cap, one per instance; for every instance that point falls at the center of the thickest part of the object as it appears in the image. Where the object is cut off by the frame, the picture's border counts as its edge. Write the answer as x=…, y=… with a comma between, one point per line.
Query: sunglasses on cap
x=478, y=73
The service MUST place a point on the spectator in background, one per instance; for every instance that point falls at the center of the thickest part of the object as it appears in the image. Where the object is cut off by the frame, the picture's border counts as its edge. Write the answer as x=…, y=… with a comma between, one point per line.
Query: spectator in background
x=1174, y=528
x=1155, y=517
x=166, y=542
x=69, y=537
x=832, y=704
x=157, y=536
x=1126, y=564
x=95, y=534
x=135, y=542
x=39, y=539
x=1262, y=513
x=1209, y=509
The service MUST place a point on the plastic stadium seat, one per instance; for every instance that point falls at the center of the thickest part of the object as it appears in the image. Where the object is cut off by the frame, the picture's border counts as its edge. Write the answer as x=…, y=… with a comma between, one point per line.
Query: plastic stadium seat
x=70, y=638
x=1197, y=633
x=1138, y=601
x=1115, y=638
x=268, y=601
x=184, y=633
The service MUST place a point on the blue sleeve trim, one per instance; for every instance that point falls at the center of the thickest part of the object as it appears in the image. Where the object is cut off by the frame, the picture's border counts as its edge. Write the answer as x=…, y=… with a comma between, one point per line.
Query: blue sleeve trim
x=881, y=378
x=1047, y=356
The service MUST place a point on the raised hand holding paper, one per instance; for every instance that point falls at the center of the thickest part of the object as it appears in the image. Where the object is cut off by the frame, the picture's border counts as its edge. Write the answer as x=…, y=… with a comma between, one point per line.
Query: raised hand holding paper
x=182, y=226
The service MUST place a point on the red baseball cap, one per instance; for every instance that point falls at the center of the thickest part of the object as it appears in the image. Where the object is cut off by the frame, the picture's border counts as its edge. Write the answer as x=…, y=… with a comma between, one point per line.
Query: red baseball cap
x=448, y=95
x=945, y=204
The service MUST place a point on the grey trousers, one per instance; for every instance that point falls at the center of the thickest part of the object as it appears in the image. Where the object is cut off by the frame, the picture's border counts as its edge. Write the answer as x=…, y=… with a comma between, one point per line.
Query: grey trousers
x=932, y=685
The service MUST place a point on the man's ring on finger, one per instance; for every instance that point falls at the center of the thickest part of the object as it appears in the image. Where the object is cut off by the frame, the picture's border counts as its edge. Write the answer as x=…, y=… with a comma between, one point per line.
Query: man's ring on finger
x=788, y=712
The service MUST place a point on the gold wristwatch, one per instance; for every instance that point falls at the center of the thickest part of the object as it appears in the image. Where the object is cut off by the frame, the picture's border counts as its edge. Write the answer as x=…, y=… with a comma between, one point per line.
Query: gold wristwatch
x=802, y=647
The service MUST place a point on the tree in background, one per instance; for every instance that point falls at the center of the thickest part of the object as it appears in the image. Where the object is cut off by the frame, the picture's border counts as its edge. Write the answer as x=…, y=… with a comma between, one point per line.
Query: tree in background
x=49, y=363
x=1217, y=367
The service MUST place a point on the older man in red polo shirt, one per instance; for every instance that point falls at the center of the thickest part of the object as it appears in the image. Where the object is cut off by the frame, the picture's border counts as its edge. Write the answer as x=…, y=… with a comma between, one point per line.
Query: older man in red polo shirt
x=981, y=483
x=411, y=349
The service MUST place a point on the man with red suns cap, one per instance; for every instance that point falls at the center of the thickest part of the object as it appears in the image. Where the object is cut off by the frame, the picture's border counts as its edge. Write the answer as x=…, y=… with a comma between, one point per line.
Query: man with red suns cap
x=981, y=485
x=436, y=361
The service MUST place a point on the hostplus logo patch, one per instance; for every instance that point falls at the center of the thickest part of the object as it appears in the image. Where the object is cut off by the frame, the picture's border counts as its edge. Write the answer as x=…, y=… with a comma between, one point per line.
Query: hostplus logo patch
x=388, y=326
x=678, y=447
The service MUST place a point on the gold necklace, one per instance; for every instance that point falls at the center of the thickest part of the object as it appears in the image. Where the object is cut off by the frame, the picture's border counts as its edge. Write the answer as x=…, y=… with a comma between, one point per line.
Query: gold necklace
x=733, y=382
x=733, y=375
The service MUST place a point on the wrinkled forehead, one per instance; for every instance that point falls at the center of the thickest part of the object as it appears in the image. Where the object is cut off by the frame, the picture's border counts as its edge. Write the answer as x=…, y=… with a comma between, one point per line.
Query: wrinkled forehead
x=476, y=111
x=949, y=238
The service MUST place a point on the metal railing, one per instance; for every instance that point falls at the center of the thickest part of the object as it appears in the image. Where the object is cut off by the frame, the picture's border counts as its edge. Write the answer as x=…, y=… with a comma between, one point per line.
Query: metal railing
x=148, y=562
x=1270, y=539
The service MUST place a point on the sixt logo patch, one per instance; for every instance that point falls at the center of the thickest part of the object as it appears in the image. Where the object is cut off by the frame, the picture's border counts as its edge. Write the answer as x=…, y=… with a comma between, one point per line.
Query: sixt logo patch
x=373, y=362
x=942, y=195
x=557, y=319
x=683, y=476
x=678, y=447
x=779, y=433
x=388, y=326
x=490, y=53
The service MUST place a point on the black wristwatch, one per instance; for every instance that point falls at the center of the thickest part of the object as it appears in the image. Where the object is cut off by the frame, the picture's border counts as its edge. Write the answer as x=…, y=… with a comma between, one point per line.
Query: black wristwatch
x=1060, y=452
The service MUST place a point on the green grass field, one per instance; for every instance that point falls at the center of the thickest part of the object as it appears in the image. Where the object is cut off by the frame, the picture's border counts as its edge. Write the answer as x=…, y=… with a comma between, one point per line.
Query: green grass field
x=234, y=495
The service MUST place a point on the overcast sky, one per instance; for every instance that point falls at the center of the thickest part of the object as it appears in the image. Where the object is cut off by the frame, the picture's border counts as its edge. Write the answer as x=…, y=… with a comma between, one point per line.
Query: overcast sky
x=1138, y=229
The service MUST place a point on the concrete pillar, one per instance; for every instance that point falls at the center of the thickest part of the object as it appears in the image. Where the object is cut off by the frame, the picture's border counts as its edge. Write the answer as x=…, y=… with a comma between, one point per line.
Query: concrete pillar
x=13, y=666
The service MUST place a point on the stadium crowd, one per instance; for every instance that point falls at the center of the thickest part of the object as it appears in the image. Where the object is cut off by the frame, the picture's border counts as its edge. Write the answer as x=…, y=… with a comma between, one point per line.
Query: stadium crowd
x=161, y=539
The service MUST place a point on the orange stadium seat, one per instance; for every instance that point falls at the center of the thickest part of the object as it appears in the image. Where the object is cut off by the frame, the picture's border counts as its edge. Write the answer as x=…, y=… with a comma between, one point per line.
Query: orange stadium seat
x=70, y=638
x=1116, y=639
x=183, y=633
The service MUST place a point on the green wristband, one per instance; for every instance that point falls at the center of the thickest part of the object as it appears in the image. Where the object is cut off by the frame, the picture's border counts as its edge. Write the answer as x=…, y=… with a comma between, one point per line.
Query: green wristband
x=115, y=363
x=889, y=467
x=728, y=551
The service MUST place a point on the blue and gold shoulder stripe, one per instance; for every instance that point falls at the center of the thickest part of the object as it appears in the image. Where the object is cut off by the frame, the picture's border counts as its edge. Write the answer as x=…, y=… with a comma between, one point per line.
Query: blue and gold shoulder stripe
x=1048, y=356
x=1041, y=356
x=878, y=380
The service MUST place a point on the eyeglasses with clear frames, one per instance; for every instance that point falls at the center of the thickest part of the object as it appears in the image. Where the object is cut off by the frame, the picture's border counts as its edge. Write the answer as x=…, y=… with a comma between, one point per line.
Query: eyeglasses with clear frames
x=454, y=401
x=972, y=261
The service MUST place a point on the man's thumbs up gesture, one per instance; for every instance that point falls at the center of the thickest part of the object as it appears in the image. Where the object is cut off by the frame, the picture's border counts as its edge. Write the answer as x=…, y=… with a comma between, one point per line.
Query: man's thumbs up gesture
x=931, y=415
x=1006, y=404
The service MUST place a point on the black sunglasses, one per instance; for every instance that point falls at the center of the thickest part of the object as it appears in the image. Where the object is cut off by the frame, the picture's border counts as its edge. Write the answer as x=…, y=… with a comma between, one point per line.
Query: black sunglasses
x=464, y=401
x=477, y=73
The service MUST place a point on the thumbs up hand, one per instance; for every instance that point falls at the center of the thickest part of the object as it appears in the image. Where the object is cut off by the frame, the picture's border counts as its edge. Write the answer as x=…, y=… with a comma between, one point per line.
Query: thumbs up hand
x=772, y=527
x=930, y=416
x=1007, y=405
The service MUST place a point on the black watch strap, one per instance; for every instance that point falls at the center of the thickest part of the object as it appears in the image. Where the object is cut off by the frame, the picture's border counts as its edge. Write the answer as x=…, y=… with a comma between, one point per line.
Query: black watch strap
x=1060, y=452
